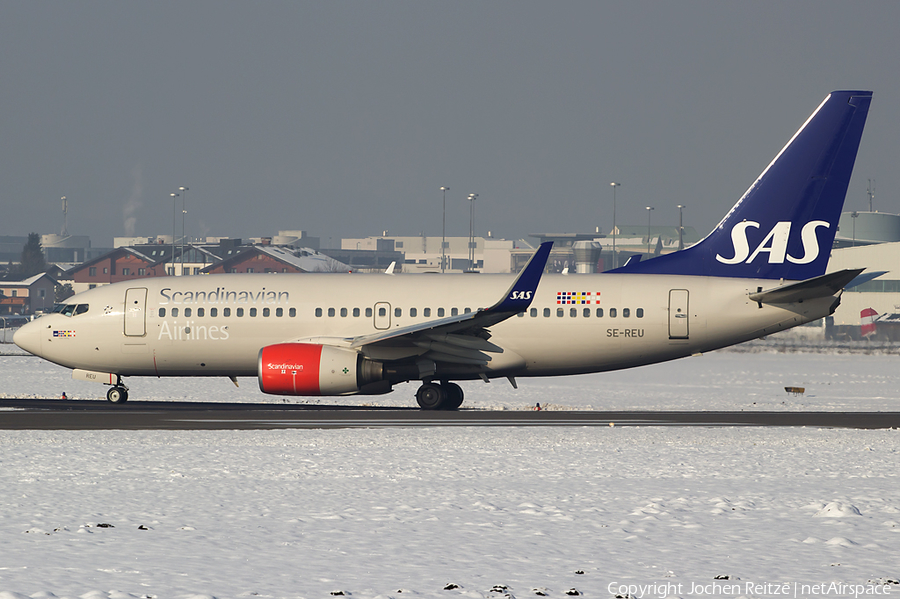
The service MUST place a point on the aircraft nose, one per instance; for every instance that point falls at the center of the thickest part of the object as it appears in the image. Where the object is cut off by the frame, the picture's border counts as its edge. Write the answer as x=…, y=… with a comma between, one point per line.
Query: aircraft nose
x=28, y=337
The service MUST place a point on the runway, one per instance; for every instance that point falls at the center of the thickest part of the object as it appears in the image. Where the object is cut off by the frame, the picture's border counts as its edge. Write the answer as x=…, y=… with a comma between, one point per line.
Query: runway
x=55, y=414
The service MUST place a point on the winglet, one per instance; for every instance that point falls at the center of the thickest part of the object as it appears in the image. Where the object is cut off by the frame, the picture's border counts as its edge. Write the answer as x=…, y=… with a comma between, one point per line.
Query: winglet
x=520, y=294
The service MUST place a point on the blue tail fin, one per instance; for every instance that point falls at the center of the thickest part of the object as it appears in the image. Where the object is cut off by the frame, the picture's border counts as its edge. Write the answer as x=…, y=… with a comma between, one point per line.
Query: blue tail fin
x=784, y=225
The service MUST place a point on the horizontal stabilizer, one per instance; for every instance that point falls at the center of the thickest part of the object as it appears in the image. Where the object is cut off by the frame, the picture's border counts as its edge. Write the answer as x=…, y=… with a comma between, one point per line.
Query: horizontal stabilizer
x=865, y=278
x=817, y=287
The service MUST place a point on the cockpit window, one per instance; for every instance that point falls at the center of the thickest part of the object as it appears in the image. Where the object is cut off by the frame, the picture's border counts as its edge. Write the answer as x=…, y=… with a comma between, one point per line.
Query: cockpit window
x=70, y=309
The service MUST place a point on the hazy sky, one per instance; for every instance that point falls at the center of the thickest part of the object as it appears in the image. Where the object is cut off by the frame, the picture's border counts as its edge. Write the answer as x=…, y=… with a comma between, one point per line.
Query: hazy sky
x=345, y=118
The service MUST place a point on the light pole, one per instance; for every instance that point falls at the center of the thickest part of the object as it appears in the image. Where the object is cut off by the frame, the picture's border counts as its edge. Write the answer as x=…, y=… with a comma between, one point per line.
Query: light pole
x=649, y=210
x=472, y=197
x=680, y=227
x=615, y=255
x=183, y=212
x=870, y=190
x=65, y=205
x=444, y=189
x=174, y=208
x=854, y=215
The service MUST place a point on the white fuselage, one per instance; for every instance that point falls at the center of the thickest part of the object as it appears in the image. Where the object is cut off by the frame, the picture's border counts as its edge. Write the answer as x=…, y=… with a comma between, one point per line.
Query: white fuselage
x=216, y=325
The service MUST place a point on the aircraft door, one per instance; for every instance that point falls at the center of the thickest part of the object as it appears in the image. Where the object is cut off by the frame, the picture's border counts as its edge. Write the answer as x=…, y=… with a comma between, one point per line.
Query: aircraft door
x=678, y=314
x=382, y=315
x=135, y=312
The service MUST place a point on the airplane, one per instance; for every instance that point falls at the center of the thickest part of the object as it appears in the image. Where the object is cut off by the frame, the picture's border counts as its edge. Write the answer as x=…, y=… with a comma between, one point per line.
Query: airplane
x=761, y=270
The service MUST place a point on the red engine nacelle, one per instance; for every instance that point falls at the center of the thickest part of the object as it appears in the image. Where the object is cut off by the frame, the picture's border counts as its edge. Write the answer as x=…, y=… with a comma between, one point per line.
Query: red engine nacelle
x=311, y=369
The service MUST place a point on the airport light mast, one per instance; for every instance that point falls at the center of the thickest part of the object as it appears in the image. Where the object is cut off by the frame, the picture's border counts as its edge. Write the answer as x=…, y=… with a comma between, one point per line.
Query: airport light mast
x=615, y=255
x=184, y=191
x=174, y=197
x=444, y=189
x=472, y=197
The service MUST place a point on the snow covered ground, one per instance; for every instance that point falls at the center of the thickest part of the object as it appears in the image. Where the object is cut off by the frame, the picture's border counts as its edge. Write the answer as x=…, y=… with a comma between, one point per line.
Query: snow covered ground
x=468, y=513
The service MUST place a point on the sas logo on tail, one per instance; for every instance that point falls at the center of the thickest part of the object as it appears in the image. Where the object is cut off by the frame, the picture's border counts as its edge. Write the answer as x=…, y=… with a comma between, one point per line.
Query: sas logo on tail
x=520, y=295
x=775, y=243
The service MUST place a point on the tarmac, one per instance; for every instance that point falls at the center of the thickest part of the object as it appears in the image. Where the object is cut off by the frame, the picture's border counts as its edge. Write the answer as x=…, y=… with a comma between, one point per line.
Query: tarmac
x=57, y=414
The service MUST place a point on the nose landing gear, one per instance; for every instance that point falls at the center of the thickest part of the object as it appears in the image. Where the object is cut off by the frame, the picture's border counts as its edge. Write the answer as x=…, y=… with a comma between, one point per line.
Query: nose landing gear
x=443, y=396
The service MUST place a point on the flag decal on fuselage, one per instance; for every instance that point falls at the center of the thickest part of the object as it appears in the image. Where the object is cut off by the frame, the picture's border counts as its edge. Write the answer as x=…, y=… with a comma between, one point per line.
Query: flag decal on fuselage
x=576, y=297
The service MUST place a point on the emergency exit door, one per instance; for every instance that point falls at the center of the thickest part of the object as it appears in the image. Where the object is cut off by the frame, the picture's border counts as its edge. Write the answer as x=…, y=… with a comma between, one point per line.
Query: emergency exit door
x=135, y=312
x=678, y=314
x=382, y=315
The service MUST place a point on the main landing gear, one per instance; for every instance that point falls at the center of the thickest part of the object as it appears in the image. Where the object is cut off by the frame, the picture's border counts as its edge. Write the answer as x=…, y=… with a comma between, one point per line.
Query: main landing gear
x=118, y=393
x=443, y=396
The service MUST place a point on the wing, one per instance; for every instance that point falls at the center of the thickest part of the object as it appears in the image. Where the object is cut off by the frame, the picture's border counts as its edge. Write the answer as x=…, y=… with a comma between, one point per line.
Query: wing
x=516, y=299
x=460, y=341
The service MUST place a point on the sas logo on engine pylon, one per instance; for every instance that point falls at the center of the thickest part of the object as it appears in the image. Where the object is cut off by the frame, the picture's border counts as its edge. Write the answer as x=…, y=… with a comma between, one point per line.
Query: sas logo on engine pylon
x=63, y=333
x=576, y=297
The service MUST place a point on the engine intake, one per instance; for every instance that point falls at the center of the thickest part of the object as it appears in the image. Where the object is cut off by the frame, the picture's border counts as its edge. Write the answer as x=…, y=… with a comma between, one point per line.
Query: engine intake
x=312, y=369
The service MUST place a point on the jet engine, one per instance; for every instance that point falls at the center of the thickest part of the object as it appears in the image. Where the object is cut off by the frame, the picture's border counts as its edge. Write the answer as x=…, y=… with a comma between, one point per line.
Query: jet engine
x=312, y=369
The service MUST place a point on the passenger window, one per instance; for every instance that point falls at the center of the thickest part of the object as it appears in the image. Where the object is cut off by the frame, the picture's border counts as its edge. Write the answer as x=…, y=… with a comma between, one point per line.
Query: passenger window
x=533, y=312
x=368, y=312
x=546, y=312
x=266, y=312
x=398, y=312
x=187, y=312
x=318, y=312
x=162, y=312
x=292, y=312
x=440, y=312
x=279, y=312
x=520, y=314
x=587, y=312
x=626, y=312
x=330, y=312
x=201, y=312
x=573, y=312
x=343, y=312
x=174, y=312
x=413, y=312
x=599, y=312
x=426, y=312
x=239, y=312
x=213, y=312
x=253, y=312
x=454, y=311
x=382, y=311
x=612, y=312
x=226, y=312
x=640, y=313
x=559, y=312
x=467, y=310
x=356, y=312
